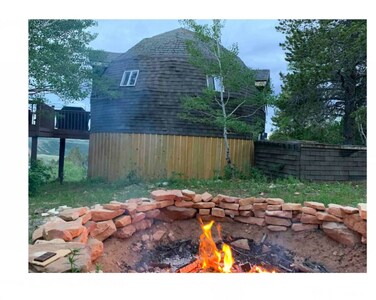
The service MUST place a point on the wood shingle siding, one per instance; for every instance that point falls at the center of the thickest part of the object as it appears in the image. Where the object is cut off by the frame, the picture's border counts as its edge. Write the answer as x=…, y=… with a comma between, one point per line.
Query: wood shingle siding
x=116, y=155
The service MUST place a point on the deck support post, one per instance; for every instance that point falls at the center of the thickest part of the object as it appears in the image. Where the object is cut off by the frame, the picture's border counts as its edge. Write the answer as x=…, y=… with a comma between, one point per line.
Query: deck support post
x=61, y=160
x=34, y=148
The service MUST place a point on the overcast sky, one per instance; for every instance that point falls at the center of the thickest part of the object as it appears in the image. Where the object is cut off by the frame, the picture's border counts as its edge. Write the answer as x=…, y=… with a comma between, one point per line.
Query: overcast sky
x=258, y=43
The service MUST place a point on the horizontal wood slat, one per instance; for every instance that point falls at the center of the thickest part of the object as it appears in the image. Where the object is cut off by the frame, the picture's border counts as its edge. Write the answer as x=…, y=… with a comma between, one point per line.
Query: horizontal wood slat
x=116, y=155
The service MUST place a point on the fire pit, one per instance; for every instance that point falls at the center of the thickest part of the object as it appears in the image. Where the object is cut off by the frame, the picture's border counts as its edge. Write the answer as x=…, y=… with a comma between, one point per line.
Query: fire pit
x=184, y=232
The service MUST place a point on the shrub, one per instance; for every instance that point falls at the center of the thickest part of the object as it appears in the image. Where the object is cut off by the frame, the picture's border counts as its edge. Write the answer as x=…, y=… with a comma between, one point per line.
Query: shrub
x=39, y=174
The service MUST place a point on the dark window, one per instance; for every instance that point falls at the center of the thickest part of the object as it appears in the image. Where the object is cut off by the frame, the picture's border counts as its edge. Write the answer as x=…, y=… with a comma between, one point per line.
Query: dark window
x=129, y=78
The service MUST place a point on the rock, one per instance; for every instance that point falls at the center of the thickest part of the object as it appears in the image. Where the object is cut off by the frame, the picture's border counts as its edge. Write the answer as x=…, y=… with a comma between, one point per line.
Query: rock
x=209, y=218
x=122, y=221
x=232, y=206
x=246, y=213
x=242, y=244
x=145, y=238
x=277, y=221
x=158, y=235
x=206, y=197
x=103, y=230
x=218, y=212
x=151, y=214
x=38, y=233
x=64, y=230
x=232, y=213
x=134, y=200
x=315, y=205
x=309, y=211
x=335, y=210
x=130, y=207
x=274, y=207
x=260, y=206
x=53, y=212
x=61, y=265
x=97, y=206
x=276, y=228
x=138, y=217
x=327, y=217
x=275, y=201
x=105, y=214
x=251, y=220
x=227, y=199
x=309, y=219
x=146, y=206
x=246, y=201
x=204, y=211
x=292, y=206
x=44, y=214
x=165, y=203
x=51, y=241
x=296, y=217
x=340, y=233
x=201, y=205
x=259, y=213
x=279, y=213
x=356, y=223
x=363, y=210
x=349, y=210
x=96, y=248
x=172, y=213
x=161, y=195
x=188, y=193
x=183, y=203
x=143, y=224
x=125, y=232
x=113, y=206
x=197, y=198
x=86, y=217
x=258, y=200
x=303, y=227
x=90, y=226
x=246, y=207
x=83, y=237
x=364, y=240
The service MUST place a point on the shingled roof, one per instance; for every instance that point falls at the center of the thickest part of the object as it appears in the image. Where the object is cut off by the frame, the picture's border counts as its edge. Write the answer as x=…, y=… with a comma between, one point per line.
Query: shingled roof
x=153, y=104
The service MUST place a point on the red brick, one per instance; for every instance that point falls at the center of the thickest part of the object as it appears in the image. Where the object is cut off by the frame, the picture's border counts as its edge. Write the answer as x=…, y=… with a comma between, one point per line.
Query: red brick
x=160, y=195
x=335, y=210
x=292, y=206
x=260, y=206
x=188, y=193
x=309, y=211
x=233, y=206
x=228, y=199
x=197, y=198
x=303, y=227
x=204, y=211
x=277, y=221
x=246, y=207
x=146, y=206
x=275, y=201
x=274, y=207
x=122, y=221
x=105, y=214
x=246, y=201
x=230, y=212
x=184, y=203
x=218, y=212
x=206, y=197
x=327, y=217
x=151, y=214
x=201, y=205
x=349, y=210
x=172, y=213
x=165, y=203
x=276, y=228
x=315, y=205
x=279, y=213
x=251, y=220
x=309, y=219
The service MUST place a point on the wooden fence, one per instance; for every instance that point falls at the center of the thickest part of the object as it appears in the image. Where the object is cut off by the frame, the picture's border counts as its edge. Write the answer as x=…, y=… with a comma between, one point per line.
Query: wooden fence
x=115, y=155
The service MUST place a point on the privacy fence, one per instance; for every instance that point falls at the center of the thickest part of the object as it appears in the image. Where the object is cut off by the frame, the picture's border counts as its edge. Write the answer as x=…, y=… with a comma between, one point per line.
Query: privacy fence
x=311, y=161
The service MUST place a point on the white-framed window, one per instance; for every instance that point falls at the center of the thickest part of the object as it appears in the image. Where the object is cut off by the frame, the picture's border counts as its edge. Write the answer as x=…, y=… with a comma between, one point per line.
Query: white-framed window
x=129, y=78
x=214, y=83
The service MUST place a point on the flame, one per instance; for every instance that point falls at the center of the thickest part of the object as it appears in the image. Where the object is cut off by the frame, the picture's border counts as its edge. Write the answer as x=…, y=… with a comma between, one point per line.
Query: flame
x=210, y=256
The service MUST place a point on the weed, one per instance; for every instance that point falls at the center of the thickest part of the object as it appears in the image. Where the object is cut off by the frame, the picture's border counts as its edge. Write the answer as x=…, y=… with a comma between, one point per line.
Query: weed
x=72, y=258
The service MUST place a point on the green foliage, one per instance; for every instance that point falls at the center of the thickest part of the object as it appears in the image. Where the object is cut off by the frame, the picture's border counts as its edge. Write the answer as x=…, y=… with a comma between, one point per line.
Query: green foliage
x=39, y=174
x=72, y=258
x=59, y=58
x=326, y=82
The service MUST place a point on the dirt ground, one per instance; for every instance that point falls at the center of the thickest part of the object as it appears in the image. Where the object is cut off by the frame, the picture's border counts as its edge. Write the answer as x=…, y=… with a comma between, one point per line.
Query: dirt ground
x=313, y=245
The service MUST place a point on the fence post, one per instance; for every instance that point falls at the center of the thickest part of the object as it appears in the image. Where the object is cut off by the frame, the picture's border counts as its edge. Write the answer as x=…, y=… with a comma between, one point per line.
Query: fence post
x=61, y=160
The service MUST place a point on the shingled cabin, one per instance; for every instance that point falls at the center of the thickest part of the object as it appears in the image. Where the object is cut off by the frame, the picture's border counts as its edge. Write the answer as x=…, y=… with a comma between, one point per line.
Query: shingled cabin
x=136, y=129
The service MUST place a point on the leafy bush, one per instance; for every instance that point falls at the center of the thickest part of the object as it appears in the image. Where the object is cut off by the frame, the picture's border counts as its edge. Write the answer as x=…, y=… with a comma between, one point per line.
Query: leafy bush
x=39, y=174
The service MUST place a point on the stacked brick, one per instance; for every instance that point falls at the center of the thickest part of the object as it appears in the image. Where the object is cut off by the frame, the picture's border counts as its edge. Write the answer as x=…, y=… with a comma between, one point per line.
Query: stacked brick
x=345, y=224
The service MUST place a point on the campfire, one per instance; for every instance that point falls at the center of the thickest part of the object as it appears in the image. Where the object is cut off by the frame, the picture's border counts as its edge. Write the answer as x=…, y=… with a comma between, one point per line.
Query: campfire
x=211, y=259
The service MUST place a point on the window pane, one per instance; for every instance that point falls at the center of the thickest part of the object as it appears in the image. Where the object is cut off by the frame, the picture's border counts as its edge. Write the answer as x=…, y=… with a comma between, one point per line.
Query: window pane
x=210, y=81
x=218, y=84
x=125, y=78
x=132, y=80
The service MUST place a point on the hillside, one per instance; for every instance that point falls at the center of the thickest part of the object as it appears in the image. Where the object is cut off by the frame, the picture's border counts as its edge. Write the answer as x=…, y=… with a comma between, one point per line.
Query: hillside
x=50, y=146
